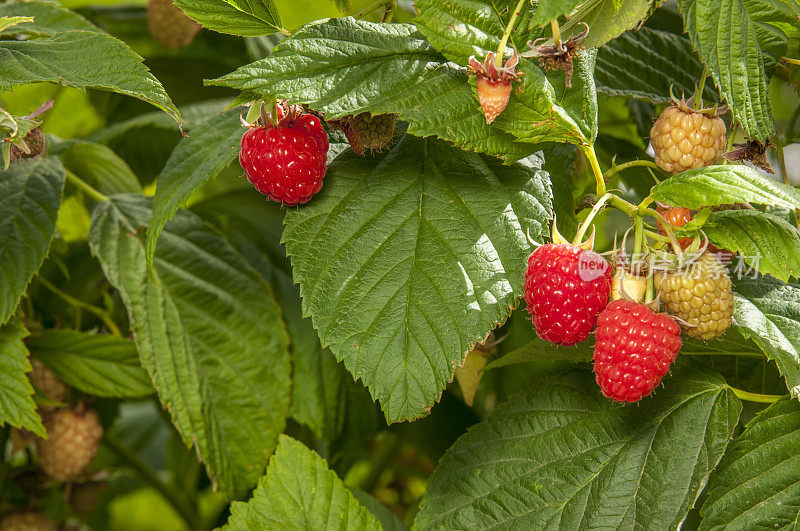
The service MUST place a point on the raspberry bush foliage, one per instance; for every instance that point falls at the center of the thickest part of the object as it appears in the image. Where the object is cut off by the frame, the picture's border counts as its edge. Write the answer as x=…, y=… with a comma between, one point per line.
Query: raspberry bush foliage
x=393, y=264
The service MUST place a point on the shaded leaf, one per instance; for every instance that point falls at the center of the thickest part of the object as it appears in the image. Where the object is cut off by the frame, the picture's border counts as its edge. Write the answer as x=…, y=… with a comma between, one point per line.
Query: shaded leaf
x=541, y=350
x=607, y=19
x=17, y=407
x=766, y=242
x=194, y=161
x=645, y=63
x=30, y=194
x=757, y=485
x=559, y=454
x=768, y=312
x=98, y=165
x=405, y=261
x=100, y=365
x=210, y=335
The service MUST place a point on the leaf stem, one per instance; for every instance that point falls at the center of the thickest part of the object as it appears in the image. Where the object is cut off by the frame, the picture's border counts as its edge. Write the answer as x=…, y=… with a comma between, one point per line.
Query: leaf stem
x=85, y=187
x=754, y=397
x=791, y=60
x=632, y=164
x=178, y=501
x=77, y=303
x=591, y=157
x=730, y=140
x=501, y=49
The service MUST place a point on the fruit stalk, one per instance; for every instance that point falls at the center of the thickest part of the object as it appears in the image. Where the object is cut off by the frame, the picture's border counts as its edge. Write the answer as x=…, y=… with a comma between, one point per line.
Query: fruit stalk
x=556, y=30
x=591, y=157
x=632, y=164
x=588, y=221
x=77, y=303
x=501, y=49
x=698, y=93
x=85, y=187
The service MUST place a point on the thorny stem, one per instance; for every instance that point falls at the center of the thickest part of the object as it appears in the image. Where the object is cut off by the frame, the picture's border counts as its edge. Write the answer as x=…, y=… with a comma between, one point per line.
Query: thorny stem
x=588, y=221
x=754, y=397
x=369, y=9
x=624, y=166
x=77, y=303
x=85, y=187
x=591, y=156
x=178, y=501
x=501, y=49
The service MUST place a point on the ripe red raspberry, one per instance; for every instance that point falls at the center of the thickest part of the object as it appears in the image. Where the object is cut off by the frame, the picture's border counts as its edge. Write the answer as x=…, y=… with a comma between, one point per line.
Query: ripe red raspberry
x=566, y=287
x=73, y=439
x=635, y=347
x=685, y=139
x=494, y=83
x=288, y=160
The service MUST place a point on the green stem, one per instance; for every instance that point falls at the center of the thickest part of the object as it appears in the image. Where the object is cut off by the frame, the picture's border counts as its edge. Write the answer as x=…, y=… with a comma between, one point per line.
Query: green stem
x=172, y=495
x=791, y=60
x=620, y=204
x=369, y=9
x=591, y=157
x=556, y=30
x=667, y=226
x=754, y=397
x=632, y=164
x=501, y=49
x=638, y=240
x=99, y=312
x=698, y=93
x=785, y=177
x=588, y=221
x=85, y=187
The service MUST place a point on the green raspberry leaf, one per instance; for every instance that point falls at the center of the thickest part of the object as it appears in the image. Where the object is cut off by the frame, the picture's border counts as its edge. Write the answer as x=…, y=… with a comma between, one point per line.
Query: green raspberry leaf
x=741, y=42
x=210, y=335
x=645, y=63
x=757, y=484
x=300, y=492
x=724, y=185
x=607, y=19
x=72, y=58
x=323, y=392
x=17, y=407
x=560, y=455
x=100, y=365
x=408, y=259
x=344, y=66
x=42, y=19
x=195, y=160
x=766, y=242
x=768, y=312
x=246, y=18
x=30, y=195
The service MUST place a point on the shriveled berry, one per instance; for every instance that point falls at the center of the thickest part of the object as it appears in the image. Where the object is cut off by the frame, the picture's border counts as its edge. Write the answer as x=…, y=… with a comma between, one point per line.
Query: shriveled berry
x=700, y=294
x=634, y=349
x=287, y=162
x=684, y=139
x=494, y=83
x=27, y=521
x=73, y=439
x=566, y=287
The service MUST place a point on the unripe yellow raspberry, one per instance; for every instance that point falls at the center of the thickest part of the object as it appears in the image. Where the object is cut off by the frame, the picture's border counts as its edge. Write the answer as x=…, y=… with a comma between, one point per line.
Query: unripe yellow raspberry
x=73, y=439
x=47, y=382
x=700, y=294
x=27, y=521
x=684, y=139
